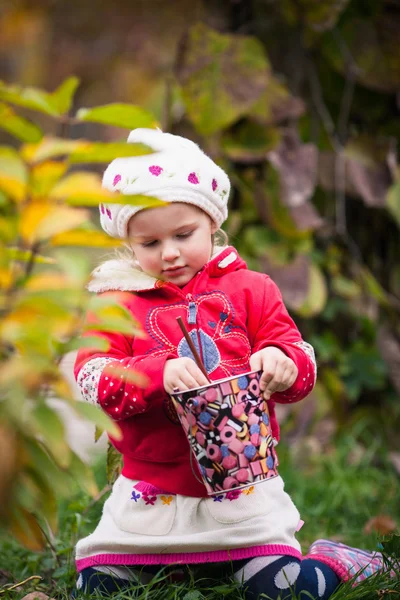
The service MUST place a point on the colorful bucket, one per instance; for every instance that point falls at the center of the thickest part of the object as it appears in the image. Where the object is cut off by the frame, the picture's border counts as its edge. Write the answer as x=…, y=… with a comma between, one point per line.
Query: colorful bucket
x=228, y=428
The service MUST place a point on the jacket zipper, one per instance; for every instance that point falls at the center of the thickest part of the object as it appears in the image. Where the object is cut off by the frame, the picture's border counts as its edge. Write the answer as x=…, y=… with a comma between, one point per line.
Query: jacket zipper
x=192, y=310
x=192, y=316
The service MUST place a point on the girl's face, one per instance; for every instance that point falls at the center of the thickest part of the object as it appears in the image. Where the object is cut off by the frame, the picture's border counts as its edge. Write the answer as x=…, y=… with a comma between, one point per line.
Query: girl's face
x=172, y=242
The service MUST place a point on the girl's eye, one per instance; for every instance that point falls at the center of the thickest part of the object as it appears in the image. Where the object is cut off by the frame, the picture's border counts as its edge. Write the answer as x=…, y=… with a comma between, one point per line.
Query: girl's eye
x=184, y=235
x=149, y=244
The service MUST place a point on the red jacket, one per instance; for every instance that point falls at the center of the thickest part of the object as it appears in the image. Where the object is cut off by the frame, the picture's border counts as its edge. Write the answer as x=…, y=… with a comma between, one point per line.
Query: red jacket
x=230, y=310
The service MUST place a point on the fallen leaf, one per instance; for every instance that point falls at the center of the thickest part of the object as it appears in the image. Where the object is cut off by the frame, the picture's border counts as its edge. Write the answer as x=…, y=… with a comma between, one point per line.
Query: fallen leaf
x=292, y=279
x=297, y=166
x=389, y=348
x=382, y=524
x=36, y=596
x=395, y=460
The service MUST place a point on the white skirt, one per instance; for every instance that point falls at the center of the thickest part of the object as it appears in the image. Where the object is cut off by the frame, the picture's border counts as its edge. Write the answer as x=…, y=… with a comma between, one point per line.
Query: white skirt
x=137, y=528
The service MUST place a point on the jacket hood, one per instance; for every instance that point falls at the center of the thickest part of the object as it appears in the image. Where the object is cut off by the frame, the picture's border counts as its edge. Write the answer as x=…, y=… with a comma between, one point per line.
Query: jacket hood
x=124, y=274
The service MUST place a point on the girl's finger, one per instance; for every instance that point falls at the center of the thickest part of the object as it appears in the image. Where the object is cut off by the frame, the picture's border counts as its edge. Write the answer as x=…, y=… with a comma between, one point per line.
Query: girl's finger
x=268, y=374
x=276, y=379
x=197, y=375
x=285, y=380
x=189, y=381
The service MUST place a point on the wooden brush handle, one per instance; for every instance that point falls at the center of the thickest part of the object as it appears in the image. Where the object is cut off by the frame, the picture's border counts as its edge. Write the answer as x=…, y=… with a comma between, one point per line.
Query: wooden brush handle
x=193, y=348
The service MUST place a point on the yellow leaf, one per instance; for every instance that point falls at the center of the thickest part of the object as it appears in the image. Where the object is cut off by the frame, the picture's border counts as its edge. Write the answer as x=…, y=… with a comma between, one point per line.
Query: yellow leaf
x=83, y=237
x=49, y=147
x=9, y=464
x=13, y=174
x=41, y=220
x=26, y=530
x=80, y=183
x=317, y=294
x=48, y=281
x=31, y=218
x=84, y=189
x=45, y=175
x=6, y=278
x=62, y=389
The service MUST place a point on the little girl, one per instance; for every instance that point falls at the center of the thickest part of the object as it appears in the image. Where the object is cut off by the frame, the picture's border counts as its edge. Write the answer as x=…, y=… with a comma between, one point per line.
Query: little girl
x=159, y=513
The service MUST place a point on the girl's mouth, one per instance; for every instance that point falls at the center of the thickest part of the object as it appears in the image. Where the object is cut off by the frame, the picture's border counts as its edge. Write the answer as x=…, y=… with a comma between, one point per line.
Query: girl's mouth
x=175, y=271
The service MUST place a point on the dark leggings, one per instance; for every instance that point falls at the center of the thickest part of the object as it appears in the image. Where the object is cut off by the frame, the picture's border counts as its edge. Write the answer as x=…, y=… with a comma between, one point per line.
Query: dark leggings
x=274, y=576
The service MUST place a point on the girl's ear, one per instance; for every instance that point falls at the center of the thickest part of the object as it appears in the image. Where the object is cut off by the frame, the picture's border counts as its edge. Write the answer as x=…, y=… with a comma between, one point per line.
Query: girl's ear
x=214, y=227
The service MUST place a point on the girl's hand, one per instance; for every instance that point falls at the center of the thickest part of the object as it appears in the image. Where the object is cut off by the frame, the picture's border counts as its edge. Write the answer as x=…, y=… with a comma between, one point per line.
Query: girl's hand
x=182, y=373
x=279, y=371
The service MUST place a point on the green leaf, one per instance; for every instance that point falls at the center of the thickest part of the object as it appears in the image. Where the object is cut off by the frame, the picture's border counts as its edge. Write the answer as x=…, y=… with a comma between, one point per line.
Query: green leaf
x=113, y=325
x=29, y=97
x=276, y=104
x=250, y=142
x=344, y=287
x=280, y=216
x=98, y=433
x=43, y=492
x=63, y=96
x=317, y=294
x=373, y=47
x=363, y=368
x=44, y=463
x=26, y=256
x=89, y=341
x=320, y=16
x=18, y=126
x=98, y=417
x=128, y=116
x=393, y=202
x=83, y=473
x=51, y=429
x=372, y=286
x=222, y=76
x=193, y=595
x=104, y=153
x=114, y=464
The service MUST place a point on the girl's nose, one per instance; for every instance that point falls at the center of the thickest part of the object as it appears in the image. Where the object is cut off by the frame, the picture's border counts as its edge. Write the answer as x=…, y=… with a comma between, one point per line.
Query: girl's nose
x=169, y=252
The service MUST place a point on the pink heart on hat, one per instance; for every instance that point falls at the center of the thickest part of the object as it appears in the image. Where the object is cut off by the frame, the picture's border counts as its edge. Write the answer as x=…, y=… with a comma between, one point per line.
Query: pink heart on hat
x=192, y=178
x=155, y=170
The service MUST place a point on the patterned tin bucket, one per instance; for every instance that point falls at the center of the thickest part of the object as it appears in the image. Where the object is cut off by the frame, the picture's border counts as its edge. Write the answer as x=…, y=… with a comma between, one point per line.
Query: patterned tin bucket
x=228, y=428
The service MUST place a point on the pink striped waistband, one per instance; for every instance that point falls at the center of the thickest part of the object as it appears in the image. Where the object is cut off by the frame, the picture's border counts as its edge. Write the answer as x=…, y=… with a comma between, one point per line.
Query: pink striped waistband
x=186, y=557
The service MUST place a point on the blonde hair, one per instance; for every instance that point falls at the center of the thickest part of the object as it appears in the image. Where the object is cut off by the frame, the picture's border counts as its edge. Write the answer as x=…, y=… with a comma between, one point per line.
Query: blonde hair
x=220, y=238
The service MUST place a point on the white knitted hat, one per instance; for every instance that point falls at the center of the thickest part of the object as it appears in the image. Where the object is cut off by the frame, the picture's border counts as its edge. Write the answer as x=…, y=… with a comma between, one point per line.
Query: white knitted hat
x=178, y=171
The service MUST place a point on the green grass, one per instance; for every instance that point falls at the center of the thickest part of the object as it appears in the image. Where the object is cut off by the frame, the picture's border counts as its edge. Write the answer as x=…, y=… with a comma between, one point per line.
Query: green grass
x=337, y=494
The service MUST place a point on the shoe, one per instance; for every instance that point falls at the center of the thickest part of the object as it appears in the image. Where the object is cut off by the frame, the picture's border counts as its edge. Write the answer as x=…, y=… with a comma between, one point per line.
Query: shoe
x=345, y=561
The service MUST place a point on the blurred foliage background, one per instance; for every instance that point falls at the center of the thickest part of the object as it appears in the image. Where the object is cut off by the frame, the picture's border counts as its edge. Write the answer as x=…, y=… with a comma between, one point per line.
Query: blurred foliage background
x=298, y=100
